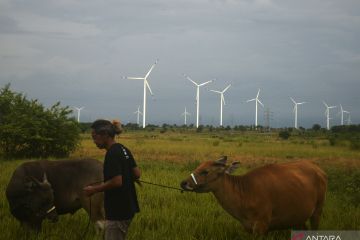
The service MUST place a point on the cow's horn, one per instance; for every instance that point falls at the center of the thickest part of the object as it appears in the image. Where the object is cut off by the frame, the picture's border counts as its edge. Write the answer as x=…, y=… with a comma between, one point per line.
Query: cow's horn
x=45, y=179
x=222, y=160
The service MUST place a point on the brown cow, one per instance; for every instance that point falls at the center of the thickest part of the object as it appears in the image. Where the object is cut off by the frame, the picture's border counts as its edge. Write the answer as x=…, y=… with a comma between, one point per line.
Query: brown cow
x=275, y=196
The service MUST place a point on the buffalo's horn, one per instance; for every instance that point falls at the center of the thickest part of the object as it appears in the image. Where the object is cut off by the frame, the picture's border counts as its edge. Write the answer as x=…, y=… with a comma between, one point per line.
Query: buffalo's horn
x=45, y=178
x=222, y=160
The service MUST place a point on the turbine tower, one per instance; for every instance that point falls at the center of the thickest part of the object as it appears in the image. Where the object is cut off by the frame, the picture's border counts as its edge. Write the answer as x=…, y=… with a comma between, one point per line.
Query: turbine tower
x=256, y=106
x=222, y=101
x=146, y=85
x=327, y=114
x=295, y=110
x=138, y=115
x=78, y=112
x=185, y=114
x=197, y=96
x=342, y=111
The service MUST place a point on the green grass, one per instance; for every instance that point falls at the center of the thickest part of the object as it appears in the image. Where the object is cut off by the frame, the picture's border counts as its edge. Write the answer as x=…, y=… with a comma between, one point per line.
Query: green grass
x=169, y=214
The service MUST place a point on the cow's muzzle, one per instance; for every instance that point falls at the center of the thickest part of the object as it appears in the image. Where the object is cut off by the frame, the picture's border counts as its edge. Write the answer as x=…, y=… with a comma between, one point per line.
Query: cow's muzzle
x=184, y=185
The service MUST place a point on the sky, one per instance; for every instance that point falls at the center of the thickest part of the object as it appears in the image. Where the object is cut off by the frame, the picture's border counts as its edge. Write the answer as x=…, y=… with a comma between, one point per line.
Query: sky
x=77, y=52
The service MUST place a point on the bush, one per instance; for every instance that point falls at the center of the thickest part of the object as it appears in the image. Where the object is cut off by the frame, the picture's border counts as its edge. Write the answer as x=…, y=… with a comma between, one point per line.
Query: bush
x=200, y=129
x=316, y=127
x=284, y=135
x=28, y=129
x=355, y=143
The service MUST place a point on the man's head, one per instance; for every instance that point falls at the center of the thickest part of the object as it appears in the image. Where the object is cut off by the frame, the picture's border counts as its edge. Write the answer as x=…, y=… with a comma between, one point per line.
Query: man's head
x=104, y=131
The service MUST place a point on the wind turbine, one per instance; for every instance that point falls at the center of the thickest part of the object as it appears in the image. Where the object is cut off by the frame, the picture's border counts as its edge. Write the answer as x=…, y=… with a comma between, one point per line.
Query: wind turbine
x=138, y=115
x=222, y=101
x=197, y=96
x=327, y=114
x=185, y=114
x=295, y=110
x=78, y=112
x=342, y=111
x=146, y=85
x=256, y=106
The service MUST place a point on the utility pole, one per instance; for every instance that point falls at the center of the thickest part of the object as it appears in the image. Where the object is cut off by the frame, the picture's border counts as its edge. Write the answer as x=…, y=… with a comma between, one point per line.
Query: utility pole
x=268, y=116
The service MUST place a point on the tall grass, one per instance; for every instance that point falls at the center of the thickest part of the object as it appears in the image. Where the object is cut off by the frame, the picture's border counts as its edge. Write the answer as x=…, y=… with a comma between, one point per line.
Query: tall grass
x=169, y=214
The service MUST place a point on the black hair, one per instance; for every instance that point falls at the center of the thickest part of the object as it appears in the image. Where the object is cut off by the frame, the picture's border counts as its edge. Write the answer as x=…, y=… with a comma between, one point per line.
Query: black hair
x=103, y=127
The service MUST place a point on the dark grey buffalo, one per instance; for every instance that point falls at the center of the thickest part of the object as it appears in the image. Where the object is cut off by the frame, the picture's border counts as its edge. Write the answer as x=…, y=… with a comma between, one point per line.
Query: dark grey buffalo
x=45, y=189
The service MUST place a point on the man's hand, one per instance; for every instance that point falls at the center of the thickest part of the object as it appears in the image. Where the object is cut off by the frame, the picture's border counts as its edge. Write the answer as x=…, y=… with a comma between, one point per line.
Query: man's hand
x=89, y=190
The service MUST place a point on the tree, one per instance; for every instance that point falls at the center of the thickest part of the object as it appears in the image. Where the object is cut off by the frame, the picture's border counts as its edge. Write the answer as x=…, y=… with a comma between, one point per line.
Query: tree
x=28, y=129
x=316, y=127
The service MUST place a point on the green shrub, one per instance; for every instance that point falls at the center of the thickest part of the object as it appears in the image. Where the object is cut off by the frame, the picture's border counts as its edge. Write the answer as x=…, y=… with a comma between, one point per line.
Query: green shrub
x=28, y=129
x=284, y=135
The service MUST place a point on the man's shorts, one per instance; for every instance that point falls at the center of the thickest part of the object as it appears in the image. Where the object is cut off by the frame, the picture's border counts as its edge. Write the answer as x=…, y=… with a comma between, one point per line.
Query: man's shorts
x=116, y=230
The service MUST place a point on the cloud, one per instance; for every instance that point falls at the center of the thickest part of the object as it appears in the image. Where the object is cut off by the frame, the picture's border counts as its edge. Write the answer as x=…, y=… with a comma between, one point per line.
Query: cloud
x=36, y=24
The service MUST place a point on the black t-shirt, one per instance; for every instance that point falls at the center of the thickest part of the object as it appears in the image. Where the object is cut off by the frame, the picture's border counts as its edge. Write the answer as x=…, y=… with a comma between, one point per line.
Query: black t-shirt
x=120, y=203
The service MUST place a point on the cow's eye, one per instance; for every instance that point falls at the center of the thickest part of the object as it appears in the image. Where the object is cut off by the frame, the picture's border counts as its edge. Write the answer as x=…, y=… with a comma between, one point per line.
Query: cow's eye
x=204, y=173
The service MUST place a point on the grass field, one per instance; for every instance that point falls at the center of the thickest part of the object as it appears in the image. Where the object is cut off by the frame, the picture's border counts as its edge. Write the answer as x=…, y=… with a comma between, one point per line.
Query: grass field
x=170, y=157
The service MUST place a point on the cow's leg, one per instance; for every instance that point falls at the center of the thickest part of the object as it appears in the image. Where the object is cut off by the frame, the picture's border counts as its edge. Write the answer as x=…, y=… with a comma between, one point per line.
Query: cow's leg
x=94, y=206
x=301, y=227
x=315, y=218
x=260, y=227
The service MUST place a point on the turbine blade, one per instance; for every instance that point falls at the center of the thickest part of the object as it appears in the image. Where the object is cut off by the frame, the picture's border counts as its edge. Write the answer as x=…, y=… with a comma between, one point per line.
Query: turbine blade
x=302, y=103
x=202, y=84
x=223, y=99
x=260, y=102
x=325, y=104
x=188, y=78
x=226, y=88
x=251, y=100
x=293, y=100
x=215, y=91
x=148, y=86
x=152, y=67
x=135, y=78
x=258, y=93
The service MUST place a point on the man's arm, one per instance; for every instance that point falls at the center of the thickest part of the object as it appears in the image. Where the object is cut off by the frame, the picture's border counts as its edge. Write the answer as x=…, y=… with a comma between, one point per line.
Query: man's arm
x=111, y=183
x=137, y=173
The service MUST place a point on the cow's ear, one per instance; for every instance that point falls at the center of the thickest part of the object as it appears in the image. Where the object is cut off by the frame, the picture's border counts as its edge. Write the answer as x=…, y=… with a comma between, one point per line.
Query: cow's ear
x=232, y=167
x=221, y=161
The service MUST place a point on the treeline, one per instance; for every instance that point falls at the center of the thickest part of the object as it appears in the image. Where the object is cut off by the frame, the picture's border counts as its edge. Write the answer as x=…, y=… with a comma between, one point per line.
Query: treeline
x=316, y=128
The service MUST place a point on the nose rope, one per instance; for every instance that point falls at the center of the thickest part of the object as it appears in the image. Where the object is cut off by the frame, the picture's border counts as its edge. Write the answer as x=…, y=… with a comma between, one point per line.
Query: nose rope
x=193, y=178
